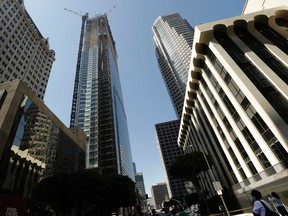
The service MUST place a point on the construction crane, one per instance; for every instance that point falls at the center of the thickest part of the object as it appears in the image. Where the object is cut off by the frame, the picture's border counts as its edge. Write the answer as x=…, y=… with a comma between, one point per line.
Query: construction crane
x=110, y=11
x=76, y=80
x=80, y=14
x=77, y=74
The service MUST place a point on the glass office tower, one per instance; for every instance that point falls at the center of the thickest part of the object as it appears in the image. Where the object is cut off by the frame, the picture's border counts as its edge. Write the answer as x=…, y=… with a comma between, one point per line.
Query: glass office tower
x=98, y=105
x=172, y=39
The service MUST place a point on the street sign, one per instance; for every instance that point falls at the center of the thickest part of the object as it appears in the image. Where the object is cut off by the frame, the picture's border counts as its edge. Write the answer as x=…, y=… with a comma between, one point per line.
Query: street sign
x=217, y=186
x=219, y=192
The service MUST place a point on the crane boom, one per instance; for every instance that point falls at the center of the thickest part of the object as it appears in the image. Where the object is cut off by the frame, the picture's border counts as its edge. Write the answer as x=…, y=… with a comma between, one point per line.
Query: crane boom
x=76, y=12
x=110, y=11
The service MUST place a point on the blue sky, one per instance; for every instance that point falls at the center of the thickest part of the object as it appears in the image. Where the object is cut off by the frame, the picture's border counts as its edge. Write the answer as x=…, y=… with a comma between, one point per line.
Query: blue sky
x=145, y=97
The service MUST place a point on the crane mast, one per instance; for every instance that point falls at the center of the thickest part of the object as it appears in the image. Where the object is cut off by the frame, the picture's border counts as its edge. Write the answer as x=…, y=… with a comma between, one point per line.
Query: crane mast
x=78, y=64
x=76, y=80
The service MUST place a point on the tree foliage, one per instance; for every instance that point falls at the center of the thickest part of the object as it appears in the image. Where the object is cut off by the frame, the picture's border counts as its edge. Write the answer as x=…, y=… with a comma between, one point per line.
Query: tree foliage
x=188, y=166
x=88, y=192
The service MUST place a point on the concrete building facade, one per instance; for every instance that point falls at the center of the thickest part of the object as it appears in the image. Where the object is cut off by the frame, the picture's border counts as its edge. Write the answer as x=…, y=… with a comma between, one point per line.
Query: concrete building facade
x=24, y=53
x=34, y=143
x=253, y=6
x=159, y=193
x=236, y=101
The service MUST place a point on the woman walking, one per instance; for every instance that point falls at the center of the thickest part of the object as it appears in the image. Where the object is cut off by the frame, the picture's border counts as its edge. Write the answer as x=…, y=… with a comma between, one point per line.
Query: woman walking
x=278, y=204
x=260, y=206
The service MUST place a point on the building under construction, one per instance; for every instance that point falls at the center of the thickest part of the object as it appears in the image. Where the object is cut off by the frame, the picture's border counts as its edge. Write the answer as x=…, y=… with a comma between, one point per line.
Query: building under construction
x=97, y=105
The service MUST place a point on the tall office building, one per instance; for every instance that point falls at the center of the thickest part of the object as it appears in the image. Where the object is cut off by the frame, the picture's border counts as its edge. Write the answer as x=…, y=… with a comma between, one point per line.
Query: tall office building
x=172, y=39
x=139, y=180
x=139, y=183
x=159, y=193
x=24, y=52
x=167, y=134
x=98, y=105
x=239, y=83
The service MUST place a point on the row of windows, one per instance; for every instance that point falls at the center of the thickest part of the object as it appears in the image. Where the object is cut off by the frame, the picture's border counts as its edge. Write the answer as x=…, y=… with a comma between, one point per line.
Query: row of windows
x=236, y=54
x=20, y=43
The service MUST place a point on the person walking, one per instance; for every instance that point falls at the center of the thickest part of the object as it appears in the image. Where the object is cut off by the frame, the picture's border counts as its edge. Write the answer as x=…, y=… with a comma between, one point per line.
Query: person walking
x=182, y=212
x=278, y=204
x=173, y=212
x=260, y=206
x=153, y=212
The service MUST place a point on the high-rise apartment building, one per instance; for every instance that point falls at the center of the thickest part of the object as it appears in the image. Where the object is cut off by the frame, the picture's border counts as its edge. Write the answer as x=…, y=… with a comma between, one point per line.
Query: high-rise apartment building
x=172, y=39
x=98, y=105
x=24, y=52
x=237, y=99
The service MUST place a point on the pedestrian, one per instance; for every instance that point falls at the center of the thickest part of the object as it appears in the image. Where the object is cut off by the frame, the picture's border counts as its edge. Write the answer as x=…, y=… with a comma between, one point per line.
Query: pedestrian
x=173, y=212
x=182, y=212
x=153, y=211
x=260, y=206
x=278, y=204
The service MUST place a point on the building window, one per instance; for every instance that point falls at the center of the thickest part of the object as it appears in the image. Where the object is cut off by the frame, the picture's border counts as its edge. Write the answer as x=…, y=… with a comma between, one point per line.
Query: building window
x=3, y=94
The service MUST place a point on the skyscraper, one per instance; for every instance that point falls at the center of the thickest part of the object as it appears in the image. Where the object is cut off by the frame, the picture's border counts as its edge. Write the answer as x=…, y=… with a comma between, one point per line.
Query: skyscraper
x=239, y=79
x=172, y=39
x=139, y=180
x=24, y=52
x=167, y=134
x=98, y=105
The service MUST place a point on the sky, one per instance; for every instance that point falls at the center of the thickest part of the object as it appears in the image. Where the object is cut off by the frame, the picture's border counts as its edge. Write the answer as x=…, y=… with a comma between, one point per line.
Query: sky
x=146, y=99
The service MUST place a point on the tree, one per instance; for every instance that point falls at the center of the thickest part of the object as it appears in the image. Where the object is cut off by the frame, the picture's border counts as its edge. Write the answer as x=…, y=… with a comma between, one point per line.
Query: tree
x=86, y=192
x=188, y=167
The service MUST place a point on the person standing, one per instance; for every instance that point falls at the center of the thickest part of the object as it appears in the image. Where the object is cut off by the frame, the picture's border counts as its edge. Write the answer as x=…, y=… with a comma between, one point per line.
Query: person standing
x=260, y=206
x=278, y=204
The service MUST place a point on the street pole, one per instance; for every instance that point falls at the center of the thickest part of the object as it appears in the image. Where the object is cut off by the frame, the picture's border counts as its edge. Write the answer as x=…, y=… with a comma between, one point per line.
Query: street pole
x=219, y=189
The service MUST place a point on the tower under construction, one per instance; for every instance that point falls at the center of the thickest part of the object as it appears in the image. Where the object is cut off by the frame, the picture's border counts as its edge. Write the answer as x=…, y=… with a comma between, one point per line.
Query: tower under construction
x=97, y=105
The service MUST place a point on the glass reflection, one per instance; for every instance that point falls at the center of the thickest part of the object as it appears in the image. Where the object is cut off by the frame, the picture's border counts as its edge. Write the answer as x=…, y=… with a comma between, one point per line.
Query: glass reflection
x=40, y=138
